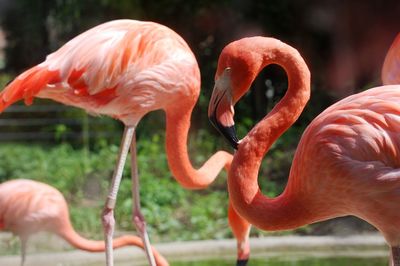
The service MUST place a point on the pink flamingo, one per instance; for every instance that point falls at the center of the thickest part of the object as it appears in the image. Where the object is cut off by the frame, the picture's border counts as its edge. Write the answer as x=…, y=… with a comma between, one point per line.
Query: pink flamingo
x=28, y=207
x=125, y=69
x=391, y=65
x=347, y=162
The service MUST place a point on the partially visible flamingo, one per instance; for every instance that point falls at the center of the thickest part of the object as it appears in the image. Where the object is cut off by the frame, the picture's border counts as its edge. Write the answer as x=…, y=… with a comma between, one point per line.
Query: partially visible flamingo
x=391, y=65
x=347, y=162
x=28, y=207
x=125, y=69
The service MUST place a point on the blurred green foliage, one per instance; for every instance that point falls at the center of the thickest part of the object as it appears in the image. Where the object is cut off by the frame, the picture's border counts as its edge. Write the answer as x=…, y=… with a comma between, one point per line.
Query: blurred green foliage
x=172, y=212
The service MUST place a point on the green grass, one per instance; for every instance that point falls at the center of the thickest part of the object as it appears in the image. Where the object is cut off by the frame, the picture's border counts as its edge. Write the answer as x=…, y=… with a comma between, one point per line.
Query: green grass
x=172, y=213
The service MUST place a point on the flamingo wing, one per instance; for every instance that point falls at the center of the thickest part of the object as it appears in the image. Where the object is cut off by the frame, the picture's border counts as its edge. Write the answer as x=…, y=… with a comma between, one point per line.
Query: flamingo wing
x=102, y=64
x=355, y=137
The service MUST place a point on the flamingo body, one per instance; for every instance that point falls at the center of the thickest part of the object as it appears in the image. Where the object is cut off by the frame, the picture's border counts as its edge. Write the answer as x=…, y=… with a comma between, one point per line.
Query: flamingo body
x=357, y=172
x=28, y=207
x=122, y=68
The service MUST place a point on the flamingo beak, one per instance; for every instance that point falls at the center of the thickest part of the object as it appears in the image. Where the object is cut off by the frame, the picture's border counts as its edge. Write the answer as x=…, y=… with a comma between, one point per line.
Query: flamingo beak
x=228, y=132
x=220, y=109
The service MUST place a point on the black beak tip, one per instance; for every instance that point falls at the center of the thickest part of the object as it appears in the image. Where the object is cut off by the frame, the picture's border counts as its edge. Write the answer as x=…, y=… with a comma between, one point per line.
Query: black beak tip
x=242, y=262
x=230, y=135
x=228, y=132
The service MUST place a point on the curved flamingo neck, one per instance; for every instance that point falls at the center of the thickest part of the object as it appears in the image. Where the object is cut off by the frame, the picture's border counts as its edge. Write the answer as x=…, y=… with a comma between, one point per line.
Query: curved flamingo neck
x=67, y=232
x=178, y=124
x=287, y=210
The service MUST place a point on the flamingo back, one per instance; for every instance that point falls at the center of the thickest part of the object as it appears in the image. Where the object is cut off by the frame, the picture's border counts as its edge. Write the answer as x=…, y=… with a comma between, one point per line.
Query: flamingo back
x=28, y=206
x=357, y=171
x=119, y=68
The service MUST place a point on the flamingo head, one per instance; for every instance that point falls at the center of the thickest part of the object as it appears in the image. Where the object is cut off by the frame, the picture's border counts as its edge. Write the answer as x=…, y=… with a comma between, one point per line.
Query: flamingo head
x=237, y=68
x=220, y=109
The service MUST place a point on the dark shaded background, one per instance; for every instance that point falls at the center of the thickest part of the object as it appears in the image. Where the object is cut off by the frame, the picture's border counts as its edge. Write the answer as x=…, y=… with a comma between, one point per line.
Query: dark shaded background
x=343, y=42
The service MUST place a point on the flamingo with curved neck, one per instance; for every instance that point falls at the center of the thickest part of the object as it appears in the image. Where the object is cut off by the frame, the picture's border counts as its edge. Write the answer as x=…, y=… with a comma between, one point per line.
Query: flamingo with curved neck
x=28, y=207
x=346, y=162
x=126, y=69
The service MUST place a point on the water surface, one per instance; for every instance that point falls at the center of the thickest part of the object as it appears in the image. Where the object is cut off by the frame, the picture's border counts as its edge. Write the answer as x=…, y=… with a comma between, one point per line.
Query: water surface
x=299, y=262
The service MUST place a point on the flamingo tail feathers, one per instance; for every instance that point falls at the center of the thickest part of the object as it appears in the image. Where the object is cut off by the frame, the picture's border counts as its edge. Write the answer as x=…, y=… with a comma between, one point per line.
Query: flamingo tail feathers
x=27, y=85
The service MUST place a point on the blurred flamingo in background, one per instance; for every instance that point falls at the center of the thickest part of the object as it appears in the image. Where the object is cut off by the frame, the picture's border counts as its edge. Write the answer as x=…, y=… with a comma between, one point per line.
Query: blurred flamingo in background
x=125, y=69
x=391, y=66
x=347, y=162
x=28, y=207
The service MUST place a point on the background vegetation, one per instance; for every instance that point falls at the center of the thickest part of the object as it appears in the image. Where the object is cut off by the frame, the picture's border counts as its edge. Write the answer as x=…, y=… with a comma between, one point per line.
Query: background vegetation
x=344, y=44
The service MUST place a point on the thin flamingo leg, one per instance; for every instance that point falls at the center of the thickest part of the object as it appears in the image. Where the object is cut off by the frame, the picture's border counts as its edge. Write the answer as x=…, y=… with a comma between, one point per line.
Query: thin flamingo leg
x=138, y=217
x=395, y=256
x=108, y=212
x=24, y=241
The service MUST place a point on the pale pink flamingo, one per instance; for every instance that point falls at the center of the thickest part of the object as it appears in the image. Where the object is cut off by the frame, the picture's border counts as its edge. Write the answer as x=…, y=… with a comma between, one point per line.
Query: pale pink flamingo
x=391, y=65
x=347, y=162
x=28, y=207
x=125, y=69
